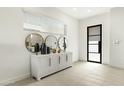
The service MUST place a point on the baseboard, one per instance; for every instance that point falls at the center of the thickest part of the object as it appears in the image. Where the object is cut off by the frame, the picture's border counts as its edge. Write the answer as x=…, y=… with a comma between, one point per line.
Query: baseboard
x=76, y=61
x=117, y=66
x=105, y=63
x=12, y=80
x=82, y=60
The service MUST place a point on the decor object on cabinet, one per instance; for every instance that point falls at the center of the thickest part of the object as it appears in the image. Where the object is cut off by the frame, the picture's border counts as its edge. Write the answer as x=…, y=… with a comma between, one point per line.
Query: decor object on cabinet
x=43, y=48
x=51, y=42
x=62, y=43
x=33, y=41
x=37, y=48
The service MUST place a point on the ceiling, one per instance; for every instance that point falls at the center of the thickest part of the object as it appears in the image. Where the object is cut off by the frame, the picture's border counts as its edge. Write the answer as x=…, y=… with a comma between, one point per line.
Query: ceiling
x=84, y=12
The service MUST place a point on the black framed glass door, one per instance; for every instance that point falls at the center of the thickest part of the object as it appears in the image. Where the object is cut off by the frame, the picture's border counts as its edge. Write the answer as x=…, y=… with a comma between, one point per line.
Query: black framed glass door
x=94, y=43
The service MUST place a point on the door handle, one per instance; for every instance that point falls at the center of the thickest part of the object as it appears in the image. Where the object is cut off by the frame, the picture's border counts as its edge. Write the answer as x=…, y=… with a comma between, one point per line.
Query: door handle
x=59, y=59
x=49, y=61
x=66, y=57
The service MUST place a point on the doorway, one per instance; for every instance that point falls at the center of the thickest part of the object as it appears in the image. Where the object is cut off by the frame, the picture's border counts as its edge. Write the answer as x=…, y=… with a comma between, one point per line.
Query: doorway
x=94, y=43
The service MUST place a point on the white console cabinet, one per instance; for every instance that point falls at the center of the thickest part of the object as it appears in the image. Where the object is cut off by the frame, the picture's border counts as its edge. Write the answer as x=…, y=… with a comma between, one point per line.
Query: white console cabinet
x=43, y=65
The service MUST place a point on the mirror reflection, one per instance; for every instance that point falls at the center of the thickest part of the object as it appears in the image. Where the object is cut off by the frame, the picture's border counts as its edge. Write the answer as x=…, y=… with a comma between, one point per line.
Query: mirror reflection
x=51, y=42
x=33, y=42
x=62, y=42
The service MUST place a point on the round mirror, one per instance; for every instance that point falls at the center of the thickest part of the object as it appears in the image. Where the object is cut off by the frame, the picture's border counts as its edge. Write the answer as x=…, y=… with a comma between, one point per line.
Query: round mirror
x=51, y=42
x=62, y=42
x=33, y=41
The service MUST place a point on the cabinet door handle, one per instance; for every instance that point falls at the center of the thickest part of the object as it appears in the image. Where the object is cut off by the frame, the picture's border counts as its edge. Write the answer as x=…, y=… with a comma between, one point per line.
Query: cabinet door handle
x=59, y=59
x=67, y=58
x=49, y=61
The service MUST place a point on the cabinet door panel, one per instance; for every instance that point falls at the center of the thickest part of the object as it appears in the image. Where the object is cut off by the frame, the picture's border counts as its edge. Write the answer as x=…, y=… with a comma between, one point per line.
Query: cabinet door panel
x=69, y=59
x=54, y=63
x=35, y=67
x=44, y=65
x=62, y=61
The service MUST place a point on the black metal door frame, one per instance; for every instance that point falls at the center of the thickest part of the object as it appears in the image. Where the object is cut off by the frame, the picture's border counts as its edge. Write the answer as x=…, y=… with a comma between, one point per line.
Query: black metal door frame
x=100, y=47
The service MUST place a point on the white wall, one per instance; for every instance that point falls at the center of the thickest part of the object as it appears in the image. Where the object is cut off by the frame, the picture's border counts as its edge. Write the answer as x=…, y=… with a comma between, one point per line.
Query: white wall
x=117, y=33
x=14, y=58
x=72, y=26
x=103, y=19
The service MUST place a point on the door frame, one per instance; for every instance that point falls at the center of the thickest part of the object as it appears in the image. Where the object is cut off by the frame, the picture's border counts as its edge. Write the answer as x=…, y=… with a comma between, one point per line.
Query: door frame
x=88, y=43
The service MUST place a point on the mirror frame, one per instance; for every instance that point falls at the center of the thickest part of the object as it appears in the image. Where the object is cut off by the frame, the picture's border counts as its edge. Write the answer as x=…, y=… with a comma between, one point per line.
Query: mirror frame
x=52, y=36
x=59, y=41
x=29, y=36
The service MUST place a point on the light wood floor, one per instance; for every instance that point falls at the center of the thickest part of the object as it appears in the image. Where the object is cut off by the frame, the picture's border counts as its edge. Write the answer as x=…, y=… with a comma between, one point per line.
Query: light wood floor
x=81, y=74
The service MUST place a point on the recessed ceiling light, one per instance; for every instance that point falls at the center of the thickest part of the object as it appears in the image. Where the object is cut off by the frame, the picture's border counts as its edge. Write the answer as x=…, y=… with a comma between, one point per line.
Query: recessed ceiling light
x=74, y=9
x=88, y=10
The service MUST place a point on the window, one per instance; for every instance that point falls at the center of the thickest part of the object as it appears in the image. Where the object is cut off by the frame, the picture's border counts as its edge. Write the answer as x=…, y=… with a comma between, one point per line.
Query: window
x=43, y=24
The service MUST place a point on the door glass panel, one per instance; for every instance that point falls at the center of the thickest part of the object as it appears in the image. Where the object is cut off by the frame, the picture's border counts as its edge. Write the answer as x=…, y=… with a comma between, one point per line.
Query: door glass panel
x=94, y=38
x=93, y=48
x=94, y=31
x=93, y=42
x=94, y=57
